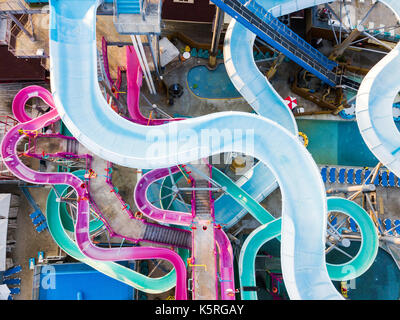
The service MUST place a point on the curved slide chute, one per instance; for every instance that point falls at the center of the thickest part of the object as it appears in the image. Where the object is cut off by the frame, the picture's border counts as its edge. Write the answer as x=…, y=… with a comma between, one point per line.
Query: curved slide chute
x=343, y=272
x=56, y=217
x=262, y=97
x=374, y=106
x=82, y=229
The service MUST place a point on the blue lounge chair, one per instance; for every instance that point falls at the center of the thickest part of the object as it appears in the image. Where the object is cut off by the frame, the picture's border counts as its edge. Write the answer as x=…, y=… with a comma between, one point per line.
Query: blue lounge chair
x=34, y=214
x=392, y=182
x=367, y=176
x=12, y=281
x=332, y=175
x=397, y=224
x=333, y=222
x=38, y=220
x=41, y=227
x=376, y=181
x=384, y=179
x=353, y=225
x=388, y=225
x=15, y=291
x=342, y=175
x=323, y=174
x=358, y=176
x=350, y=176
x=11, y=271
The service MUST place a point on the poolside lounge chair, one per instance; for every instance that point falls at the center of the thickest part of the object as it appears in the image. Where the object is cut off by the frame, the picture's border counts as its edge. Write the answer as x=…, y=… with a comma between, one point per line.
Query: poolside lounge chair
x=367, y=175
x=38, y=220
x=34, y=214
x=358, y=176
x=350, y=176
x=332, y=175
x=12, y=281
x=388, y=225
x=392, y=182
x=376, y=181
x=41, y=227
x=384, y=179
x=12, y=271
x=323, y=174
x=15, y=291
x=397, y=224
x=353, y=225
x=342, y=175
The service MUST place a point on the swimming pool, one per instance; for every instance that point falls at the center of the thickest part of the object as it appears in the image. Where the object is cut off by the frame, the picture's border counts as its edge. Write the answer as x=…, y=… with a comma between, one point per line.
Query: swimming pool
x=211, y=84
x=337, y=143
x=78, y=281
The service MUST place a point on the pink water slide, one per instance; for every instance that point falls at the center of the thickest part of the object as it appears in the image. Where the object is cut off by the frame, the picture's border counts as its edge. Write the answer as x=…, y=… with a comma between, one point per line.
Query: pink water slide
x=134, y=75
x=150, y=210
x=134, y=79
x=82, y=236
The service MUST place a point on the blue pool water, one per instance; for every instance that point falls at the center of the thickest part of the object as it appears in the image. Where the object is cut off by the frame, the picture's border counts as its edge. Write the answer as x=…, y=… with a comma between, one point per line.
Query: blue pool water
x=337, y=143
x=78, y=281
x=215, y=84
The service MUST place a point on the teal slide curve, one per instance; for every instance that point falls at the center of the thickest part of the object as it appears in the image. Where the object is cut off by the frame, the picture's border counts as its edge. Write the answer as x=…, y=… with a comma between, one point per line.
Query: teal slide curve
x=56, y=215
x=349, y=270
x=343, y=272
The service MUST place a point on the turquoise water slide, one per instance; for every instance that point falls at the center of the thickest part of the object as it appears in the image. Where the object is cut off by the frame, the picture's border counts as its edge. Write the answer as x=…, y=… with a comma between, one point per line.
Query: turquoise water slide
x=343, y=272
x=271, y=228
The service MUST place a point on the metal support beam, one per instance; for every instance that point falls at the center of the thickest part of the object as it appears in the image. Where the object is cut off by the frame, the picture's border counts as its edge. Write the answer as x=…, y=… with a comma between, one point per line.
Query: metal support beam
x=217, y=28
x=21, y=27
x=153, y=56
x=368, y=13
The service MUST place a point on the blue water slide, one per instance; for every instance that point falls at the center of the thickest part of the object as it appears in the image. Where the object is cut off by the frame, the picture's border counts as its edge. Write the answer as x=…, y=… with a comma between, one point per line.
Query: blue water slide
x=374, y=106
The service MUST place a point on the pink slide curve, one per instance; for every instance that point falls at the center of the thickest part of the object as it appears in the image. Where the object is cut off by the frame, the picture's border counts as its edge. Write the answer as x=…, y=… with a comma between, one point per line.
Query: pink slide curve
x=151, y=211
x=134, y=78
x=14, y=164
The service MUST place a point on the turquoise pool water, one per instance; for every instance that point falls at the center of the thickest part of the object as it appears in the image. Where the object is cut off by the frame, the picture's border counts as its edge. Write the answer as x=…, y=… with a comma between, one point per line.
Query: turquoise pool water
x=78, y=281
x=215, y=84
x=337, y=143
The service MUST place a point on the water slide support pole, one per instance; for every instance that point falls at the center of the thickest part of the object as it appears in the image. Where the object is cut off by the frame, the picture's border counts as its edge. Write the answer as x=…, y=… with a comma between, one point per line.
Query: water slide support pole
x=135, y=45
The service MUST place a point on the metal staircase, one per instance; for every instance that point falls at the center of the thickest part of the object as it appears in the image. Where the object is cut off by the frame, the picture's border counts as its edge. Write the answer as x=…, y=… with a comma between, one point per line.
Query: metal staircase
x=127, y=6
x=137, y=16
x=202, y=199
x=175, y=237
x=260, y=21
